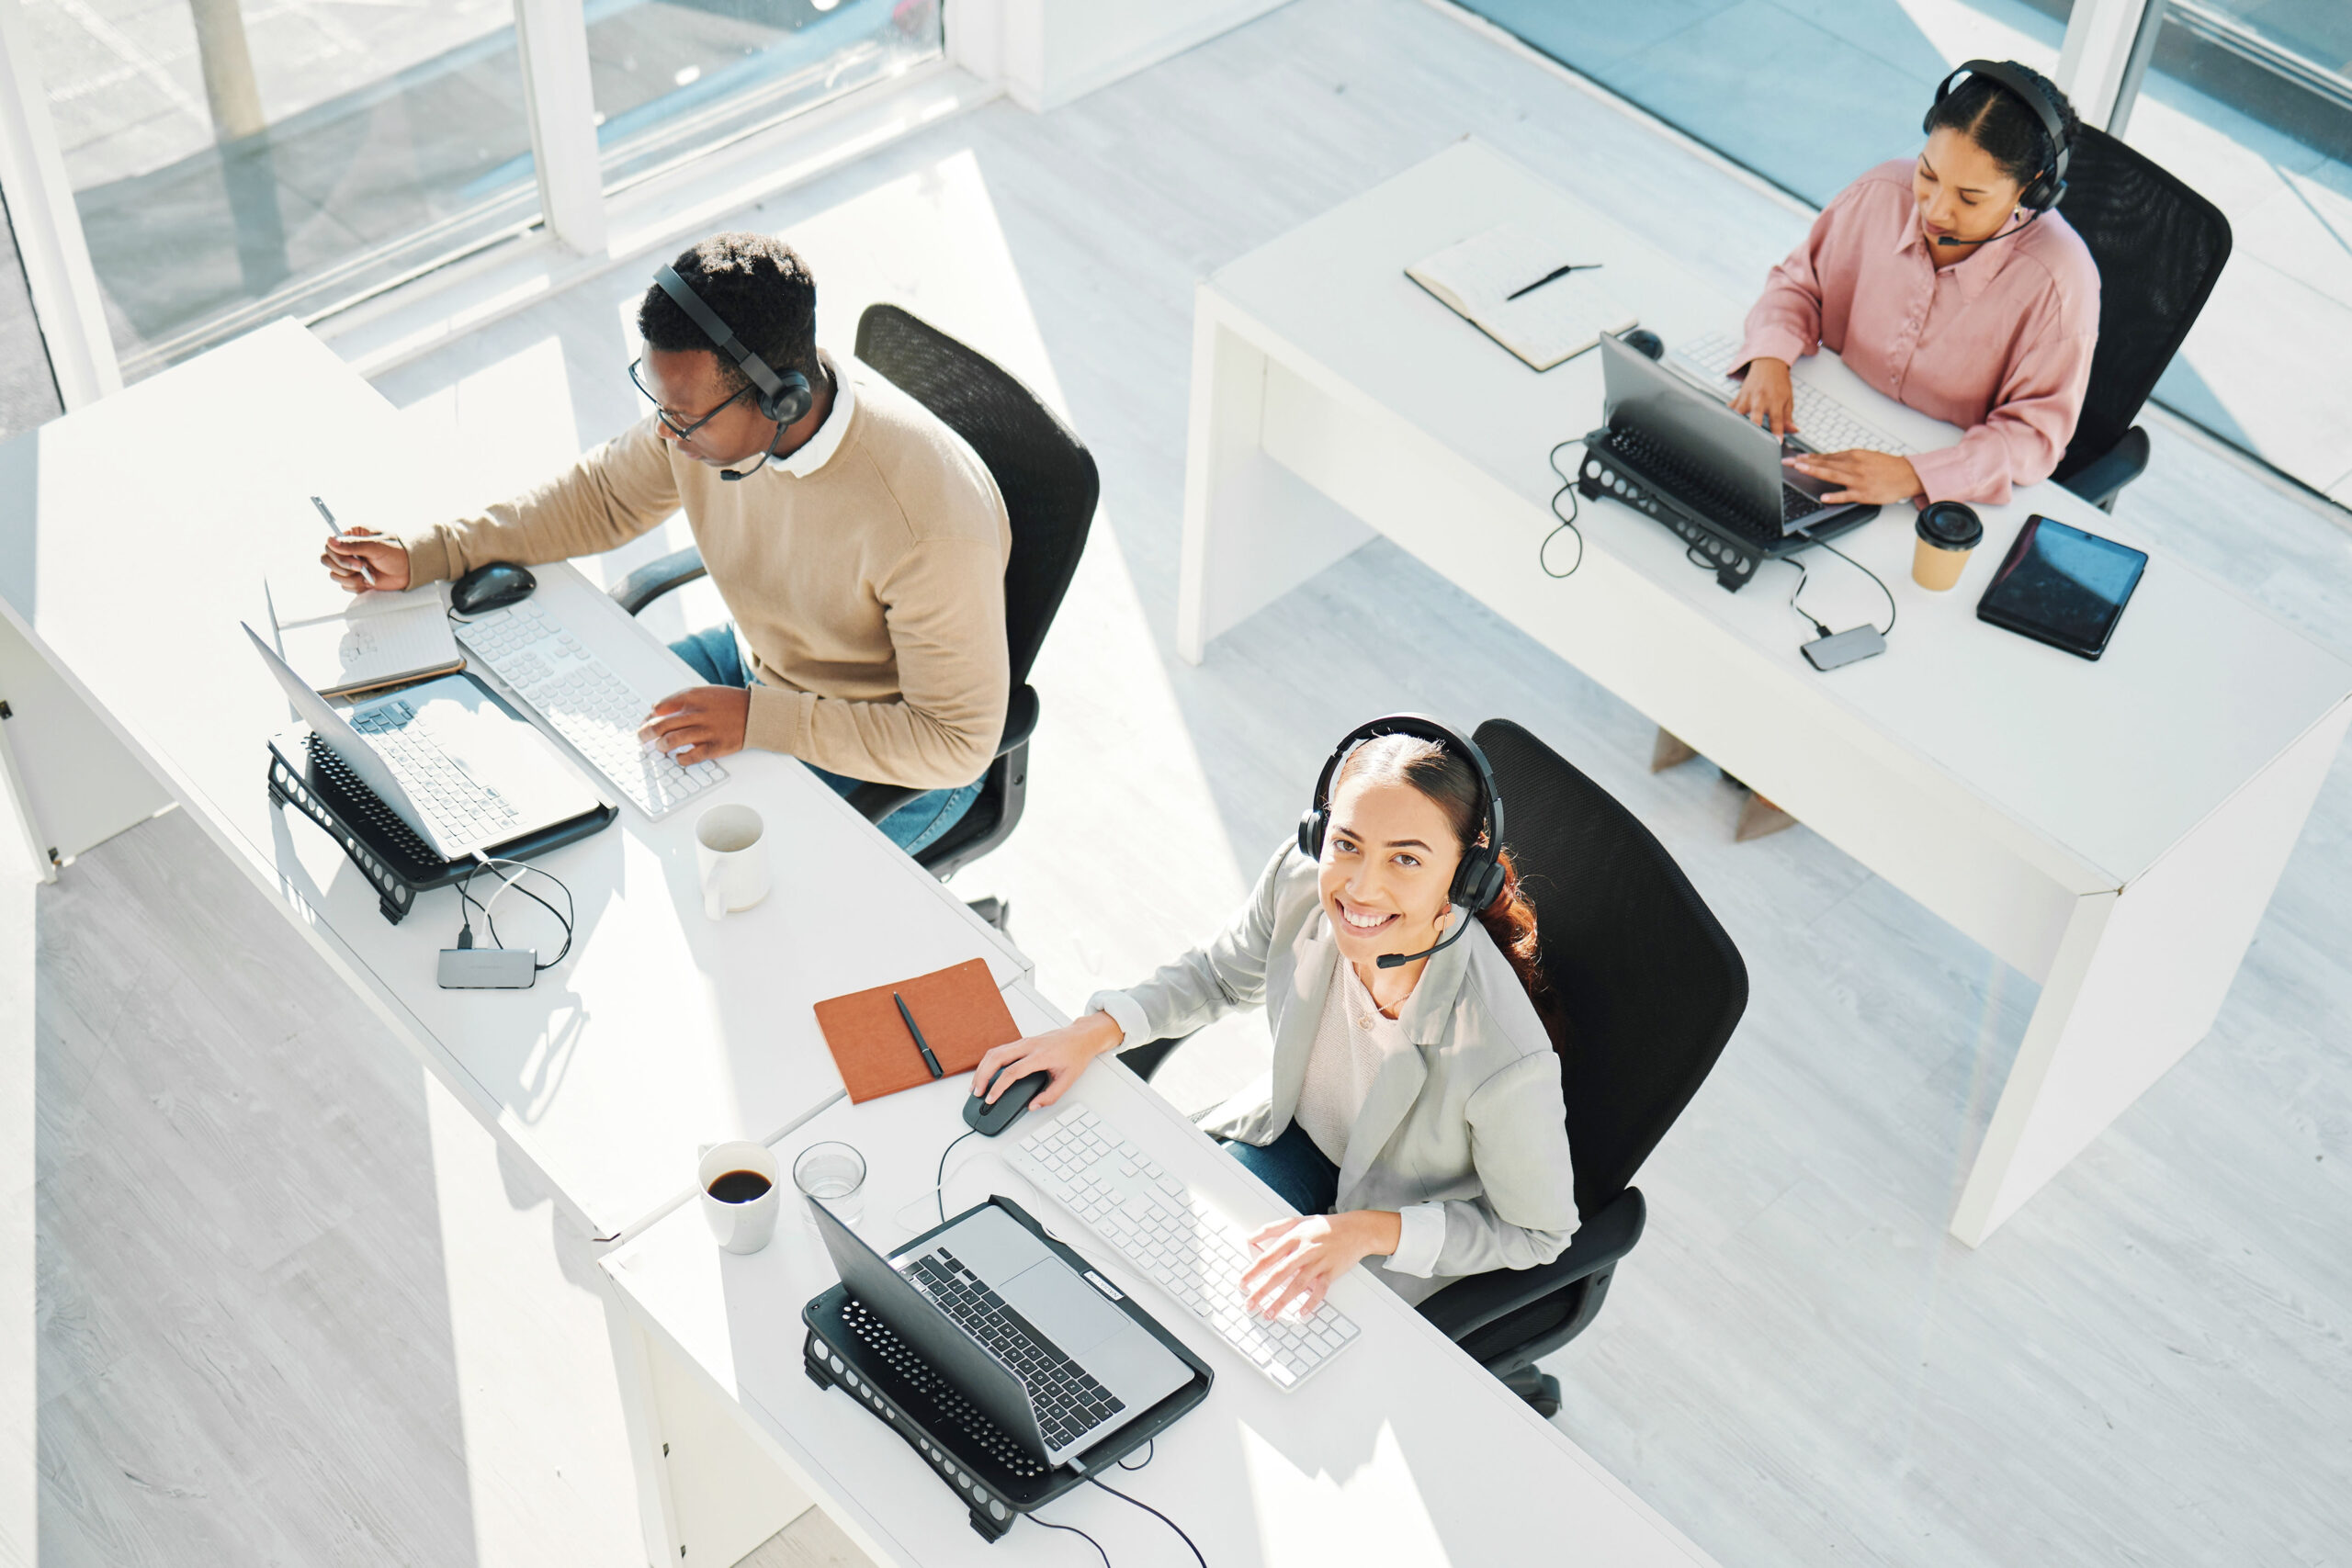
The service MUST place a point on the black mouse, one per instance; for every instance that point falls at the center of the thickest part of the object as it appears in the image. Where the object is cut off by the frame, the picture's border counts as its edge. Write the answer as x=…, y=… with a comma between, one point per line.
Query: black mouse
x=1644, y=339
x=987, y=1120
x=492, y=587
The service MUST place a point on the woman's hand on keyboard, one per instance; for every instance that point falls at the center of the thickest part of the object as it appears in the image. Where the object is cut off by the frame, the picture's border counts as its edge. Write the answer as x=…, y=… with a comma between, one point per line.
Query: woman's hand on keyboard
x=387, y=559
x=1870, y=477
x=1766, y=398
x=1062, y=1054
x=1298, y=1259
x=707, y=722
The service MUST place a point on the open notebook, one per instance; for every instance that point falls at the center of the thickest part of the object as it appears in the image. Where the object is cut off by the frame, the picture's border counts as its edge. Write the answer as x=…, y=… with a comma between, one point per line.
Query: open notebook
x=344, y=644
x=1543, y=326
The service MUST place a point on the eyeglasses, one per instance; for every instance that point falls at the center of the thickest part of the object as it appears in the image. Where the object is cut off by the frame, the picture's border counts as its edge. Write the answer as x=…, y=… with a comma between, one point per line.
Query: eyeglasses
x=669, y=421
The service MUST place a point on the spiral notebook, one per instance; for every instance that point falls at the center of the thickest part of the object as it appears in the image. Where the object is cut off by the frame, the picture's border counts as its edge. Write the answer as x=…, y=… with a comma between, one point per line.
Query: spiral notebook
x=961, y=1012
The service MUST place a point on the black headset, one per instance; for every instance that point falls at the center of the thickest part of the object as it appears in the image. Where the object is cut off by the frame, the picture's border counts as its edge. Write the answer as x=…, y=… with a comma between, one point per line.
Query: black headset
x=785, y=398
x=1479, y=880
x=2048, y=186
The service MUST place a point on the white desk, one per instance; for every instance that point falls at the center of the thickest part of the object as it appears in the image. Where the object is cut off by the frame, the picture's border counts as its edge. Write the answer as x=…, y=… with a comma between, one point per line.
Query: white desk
x=154, y=517
x=1402, y=1450
x=2113, y=830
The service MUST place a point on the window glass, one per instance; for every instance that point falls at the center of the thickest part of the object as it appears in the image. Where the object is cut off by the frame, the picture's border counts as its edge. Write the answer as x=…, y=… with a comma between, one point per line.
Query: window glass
x=674, y=77
x=27, y=392
x=235, y=161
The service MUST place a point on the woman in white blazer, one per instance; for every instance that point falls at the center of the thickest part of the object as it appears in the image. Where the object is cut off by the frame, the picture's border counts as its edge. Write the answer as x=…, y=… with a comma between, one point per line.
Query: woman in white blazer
x=1413, y=1113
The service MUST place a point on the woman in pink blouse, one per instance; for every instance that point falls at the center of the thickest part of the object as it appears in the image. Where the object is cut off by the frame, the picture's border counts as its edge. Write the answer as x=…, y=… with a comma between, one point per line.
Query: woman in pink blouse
x=1942, y=285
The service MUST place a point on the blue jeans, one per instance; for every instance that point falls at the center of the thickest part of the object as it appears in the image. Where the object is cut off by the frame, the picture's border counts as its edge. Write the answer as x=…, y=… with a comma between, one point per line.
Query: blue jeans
x=914, y=825
x=1294, y=1168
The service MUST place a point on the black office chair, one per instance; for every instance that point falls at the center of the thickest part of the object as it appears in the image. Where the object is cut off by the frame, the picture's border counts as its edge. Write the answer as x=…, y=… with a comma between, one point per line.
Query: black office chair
x=2160, y=248
x=1049, y=484
x=1646, y=989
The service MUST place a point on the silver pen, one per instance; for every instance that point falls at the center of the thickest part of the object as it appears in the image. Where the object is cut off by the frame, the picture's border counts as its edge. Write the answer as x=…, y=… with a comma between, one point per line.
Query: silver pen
x=367, y=573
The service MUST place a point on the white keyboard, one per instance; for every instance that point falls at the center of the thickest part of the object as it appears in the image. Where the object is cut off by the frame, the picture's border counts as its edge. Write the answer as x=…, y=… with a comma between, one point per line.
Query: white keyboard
x=462, y=811
x=587, y=704
x=1823, y=423
x=1196, y=1255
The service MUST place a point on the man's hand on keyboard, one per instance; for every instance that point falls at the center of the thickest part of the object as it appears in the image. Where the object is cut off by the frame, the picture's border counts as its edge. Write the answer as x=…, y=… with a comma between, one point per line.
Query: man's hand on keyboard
x=1870, y=477
x=1062, y=1054
x=1766, y=397
x=1298, y=1259
x=699, y=724
x=387, y=557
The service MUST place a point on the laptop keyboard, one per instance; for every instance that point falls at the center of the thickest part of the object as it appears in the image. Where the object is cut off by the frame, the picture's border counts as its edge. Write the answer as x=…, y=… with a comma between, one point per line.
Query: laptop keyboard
x=1696, y=488
x=1826, y=424
x=587, y=704
x=461, y=810
x=1069, y=1402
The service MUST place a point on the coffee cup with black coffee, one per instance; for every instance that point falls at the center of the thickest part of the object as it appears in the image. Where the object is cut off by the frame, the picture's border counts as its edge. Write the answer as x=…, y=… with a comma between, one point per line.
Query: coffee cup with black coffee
x=1948, y=532
x=739, y=1198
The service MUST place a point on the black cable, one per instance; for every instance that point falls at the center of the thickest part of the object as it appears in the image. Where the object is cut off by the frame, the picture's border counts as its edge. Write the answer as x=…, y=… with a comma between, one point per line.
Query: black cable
x=1150, y=1446
x=1567, y=488
x=1081, y=1535
x=1156, y=1514
x=1889, y=629
x=566, y=917
x=1801, y=610
x=938, y=1187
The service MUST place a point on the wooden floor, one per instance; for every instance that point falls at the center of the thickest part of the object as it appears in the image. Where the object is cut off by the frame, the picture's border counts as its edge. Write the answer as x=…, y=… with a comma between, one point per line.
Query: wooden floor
x=292, y=1313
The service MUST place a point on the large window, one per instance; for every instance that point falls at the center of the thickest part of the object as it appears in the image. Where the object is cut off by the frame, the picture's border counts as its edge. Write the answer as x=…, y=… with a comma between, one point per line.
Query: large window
x=233, y=161
x=27, y=393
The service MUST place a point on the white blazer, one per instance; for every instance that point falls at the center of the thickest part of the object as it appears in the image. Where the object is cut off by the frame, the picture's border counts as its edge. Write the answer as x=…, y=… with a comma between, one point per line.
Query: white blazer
x=1470, y=1123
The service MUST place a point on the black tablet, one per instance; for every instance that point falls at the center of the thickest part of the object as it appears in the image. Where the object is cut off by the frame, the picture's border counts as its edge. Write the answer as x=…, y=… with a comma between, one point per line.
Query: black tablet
x=2062, y=586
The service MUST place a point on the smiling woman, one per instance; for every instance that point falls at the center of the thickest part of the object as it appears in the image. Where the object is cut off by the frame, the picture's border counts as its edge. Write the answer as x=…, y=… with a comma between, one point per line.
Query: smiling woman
x=1414, y=1116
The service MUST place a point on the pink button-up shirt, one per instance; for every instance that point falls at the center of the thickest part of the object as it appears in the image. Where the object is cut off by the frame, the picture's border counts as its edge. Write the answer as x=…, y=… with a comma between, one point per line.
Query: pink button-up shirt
x=1999, y=344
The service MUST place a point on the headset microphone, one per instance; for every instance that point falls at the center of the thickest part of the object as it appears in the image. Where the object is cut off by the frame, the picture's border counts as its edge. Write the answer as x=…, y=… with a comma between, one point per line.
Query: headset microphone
x=1398, y=960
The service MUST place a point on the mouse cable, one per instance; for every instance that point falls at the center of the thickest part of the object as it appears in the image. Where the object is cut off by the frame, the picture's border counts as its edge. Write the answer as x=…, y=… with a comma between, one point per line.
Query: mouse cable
x=939, y=1188
x=1568, y=521
x=1888, y=630
x=1037, y=1519
x=566, y=917
x=1156, y=1514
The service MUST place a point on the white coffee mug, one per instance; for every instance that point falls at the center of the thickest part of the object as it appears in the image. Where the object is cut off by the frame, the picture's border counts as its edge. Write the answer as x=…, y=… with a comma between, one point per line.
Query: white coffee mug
x=741, y=1211
x=731, y=851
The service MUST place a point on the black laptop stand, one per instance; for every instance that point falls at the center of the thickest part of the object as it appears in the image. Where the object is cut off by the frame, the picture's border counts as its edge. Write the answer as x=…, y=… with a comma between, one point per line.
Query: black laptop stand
x=850, y=1348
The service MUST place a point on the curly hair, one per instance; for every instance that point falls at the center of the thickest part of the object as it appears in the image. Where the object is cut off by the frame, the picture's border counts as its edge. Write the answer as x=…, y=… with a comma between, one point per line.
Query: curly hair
x=757, y=284
x=1451, y=784
x=2001, y=123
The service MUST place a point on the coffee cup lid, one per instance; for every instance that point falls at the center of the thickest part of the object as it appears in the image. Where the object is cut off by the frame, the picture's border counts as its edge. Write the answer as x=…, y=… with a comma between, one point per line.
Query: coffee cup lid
x=1953, y=527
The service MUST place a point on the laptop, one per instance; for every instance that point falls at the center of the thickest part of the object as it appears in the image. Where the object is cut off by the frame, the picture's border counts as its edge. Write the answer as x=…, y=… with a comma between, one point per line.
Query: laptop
x=1037, y=1345
x=445, y=757
x=1711, y=458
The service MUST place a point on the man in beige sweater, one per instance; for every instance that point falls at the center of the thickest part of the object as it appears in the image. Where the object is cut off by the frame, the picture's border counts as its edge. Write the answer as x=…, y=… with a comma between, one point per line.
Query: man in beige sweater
x=861, y=547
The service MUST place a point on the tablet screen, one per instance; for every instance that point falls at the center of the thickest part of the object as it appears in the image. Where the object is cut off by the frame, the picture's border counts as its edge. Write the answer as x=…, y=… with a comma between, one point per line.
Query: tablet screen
x=2063, y=585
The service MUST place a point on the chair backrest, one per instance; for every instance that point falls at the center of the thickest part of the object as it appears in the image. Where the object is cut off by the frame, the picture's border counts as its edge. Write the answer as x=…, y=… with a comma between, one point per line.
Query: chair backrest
x=2160, y=248
x=1043, y=472
x=1647, y=981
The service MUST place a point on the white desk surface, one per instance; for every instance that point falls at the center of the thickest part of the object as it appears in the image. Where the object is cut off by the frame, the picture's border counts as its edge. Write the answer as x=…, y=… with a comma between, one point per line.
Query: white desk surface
x=158, y=513
x=1401, y=1451
x=2112, y=762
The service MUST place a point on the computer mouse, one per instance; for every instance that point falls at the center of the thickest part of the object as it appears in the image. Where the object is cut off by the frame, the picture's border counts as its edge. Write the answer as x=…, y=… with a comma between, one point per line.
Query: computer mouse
x=490, y=587
x=1643, y=340
x=987, y=1120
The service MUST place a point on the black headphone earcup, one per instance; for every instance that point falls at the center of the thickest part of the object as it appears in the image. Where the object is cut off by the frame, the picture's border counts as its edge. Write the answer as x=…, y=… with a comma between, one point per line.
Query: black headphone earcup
x=791, y=402
x=1310, y=833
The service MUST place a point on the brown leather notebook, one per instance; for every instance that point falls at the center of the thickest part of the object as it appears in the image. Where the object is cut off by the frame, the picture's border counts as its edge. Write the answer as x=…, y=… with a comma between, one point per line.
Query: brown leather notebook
x=962, y=1014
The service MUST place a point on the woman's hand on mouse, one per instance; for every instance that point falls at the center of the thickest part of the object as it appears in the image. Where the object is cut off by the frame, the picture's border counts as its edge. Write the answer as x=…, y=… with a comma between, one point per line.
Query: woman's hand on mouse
x=1766, y=398
x=386, y=558
x=1062, y=1054
x=699, y=723
x=1298, y=1260
x=1873, y=478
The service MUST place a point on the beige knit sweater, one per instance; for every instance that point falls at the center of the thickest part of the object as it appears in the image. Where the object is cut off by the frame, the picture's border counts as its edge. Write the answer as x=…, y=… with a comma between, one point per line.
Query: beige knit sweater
x=865, y=574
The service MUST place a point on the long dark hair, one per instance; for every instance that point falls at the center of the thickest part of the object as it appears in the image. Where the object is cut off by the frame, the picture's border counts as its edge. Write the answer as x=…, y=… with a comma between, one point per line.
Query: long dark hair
x=1452, y=784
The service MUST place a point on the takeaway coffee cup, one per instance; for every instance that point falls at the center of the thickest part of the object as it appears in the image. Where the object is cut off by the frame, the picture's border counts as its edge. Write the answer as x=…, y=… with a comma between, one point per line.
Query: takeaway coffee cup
x=731, y=848
x=1948, y=531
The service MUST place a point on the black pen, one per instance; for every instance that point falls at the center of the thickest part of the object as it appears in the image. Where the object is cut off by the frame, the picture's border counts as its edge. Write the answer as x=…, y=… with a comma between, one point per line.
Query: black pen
x=1557, y=272
x=921, y=1043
